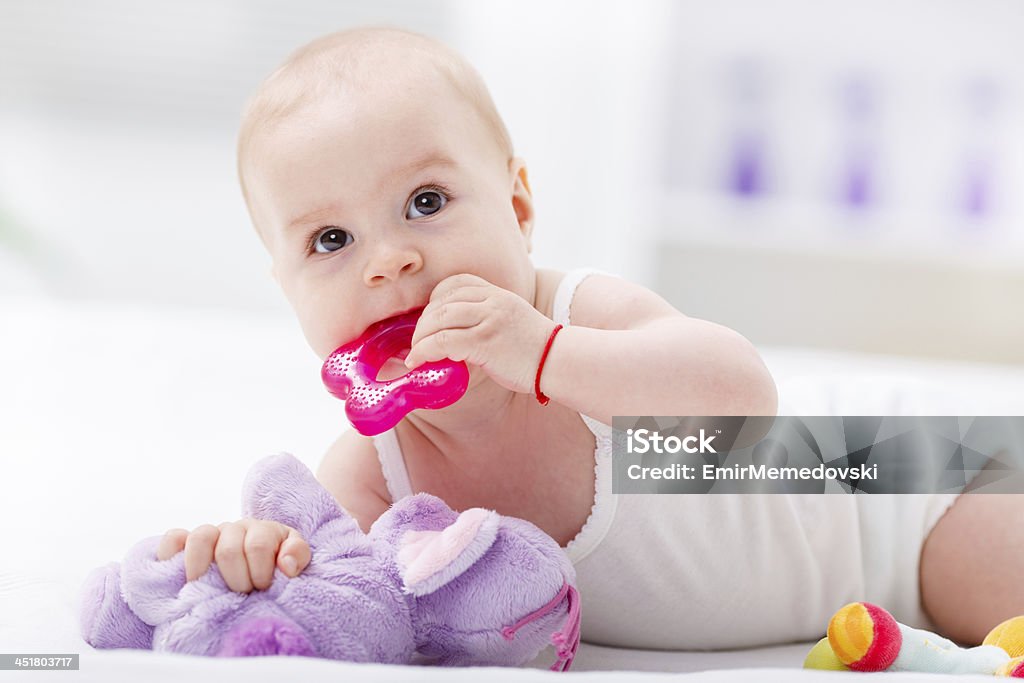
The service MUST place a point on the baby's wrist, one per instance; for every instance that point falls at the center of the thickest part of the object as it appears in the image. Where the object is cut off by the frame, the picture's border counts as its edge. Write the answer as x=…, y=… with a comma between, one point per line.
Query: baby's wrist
x=541, y=397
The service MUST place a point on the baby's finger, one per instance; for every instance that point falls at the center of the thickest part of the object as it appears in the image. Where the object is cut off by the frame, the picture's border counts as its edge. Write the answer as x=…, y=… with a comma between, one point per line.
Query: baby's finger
x=449, y=343
x=262, y=541
x=294, y=549
x=230, y=557
x=452, y=314
x=199, y=550
x=172, y=543
x=443, y=290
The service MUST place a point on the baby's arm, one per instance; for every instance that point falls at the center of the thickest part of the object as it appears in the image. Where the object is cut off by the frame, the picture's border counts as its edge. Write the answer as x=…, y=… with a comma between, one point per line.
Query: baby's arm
x=630, y=352
x=350, y=471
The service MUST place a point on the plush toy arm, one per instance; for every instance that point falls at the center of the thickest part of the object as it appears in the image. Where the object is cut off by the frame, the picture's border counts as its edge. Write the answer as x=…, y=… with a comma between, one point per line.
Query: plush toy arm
x=121, y=603
x=105, y=619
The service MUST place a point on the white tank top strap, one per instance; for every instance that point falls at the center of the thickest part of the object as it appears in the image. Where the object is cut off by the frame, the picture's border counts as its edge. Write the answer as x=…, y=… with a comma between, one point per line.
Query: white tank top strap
x=603, y=511
x=392, y=464
x=561, y=310
x=562, y=304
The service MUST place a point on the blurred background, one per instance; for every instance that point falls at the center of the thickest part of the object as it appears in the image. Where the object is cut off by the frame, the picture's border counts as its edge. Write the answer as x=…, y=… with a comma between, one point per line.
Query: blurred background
x=812, y=173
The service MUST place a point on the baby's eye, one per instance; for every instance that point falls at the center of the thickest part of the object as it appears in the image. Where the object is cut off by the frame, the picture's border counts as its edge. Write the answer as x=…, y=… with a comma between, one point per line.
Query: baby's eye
x=426, y=203
x=331, y=239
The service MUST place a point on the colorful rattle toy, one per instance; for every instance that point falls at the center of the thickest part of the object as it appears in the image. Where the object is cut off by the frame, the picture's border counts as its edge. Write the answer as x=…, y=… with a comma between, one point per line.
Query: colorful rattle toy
x=374, y=406
x=865, y=637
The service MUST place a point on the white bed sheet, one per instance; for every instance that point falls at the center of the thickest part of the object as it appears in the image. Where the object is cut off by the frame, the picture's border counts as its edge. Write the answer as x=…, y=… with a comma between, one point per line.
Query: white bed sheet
x=118, y=423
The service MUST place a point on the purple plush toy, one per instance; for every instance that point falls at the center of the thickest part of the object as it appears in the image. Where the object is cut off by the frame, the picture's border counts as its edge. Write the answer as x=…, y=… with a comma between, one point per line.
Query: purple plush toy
x=426, y=585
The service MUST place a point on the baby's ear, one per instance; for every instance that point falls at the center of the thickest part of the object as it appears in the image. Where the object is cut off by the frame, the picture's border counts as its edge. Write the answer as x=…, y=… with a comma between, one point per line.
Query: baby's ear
x=522, y=198
x=517, y=166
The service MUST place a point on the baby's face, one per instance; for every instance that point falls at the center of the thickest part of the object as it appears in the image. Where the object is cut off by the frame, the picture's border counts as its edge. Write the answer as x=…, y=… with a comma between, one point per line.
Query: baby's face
x=367, y=202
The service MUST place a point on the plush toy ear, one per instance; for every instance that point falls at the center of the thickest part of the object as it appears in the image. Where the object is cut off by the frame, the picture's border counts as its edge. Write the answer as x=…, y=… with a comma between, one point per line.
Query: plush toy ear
x=428, y=560
x=281, y=488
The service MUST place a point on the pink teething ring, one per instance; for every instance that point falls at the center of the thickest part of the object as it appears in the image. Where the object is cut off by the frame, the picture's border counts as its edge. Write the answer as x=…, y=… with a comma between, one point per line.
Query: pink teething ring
x=373, y=406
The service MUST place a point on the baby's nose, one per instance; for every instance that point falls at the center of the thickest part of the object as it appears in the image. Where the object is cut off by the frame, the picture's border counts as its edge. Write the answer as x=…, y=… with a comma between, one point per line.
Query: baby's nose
x=391, y=262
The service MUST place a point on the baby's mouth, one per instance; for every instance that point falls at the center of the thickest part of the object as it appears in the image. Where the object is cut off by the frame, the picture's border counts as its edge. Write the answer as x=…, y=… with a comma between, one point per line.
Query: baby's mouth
x=401, y=355
x=394, y=367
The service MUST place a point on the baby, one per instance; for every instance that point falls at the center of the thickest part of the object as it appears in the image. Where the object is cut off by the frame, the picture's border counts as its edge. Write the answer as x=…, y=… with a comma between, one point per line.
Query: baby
x=381, y=178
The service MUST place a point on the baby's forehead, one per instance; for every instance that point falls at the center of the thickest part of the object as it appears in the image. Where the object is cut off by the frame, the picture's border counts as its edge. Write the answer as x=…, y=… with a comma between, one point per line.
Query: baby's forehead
x=367, y=69
x=367, y=63
x=392, y=119
x=398, y=116
x=387, y=66
x=383, y=89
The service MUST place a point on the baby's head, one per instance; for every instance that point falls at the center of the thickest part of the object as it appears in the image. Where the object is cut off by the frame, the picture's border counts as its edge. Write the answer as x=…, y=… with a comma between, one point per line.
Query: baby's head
x=374, y=165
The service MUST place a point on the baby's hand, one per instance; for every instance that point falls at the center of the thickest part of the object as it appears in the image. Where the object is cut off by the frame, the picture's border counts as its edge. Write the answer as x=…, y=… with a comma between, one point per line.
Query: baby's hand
x=246, y=551
x=470, y=319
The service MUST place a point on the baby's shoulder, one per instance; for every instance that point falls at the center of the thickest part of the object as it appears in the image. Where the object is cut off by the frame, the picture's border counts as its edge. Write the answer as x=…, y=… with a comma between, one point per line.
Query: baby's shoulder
x=609, y=302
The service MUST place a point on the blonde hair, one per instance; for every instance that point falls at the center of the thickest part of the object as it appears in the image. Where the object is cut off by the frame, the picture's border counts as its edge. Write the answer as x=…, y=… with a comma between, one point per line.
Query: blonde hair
x=350, y=58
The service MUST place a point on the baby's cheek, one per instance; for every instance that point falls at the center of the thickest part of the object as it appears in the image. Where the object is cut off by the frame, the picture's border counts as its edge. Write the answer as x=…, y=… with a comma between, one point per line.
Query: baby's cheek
x=318, y=335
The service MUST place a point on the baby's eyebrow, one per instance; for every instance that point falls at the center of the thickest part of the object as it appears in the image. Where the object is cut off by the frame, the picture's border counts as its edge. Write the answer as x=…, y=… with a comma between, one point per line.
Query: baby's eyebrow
x=426, y=161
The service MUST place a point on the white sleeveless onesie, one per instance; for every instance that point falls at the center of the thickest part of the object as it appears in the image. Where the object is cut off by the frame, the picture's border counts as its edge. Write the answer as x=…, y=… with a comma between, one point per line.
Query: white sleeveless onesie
x=685, y=572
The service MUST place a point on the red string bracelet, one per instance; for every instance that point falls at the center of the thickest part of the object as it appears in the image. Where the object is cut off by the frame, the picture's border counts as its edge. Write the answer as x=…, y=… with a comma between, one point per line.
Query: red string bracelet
x=536, y=383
